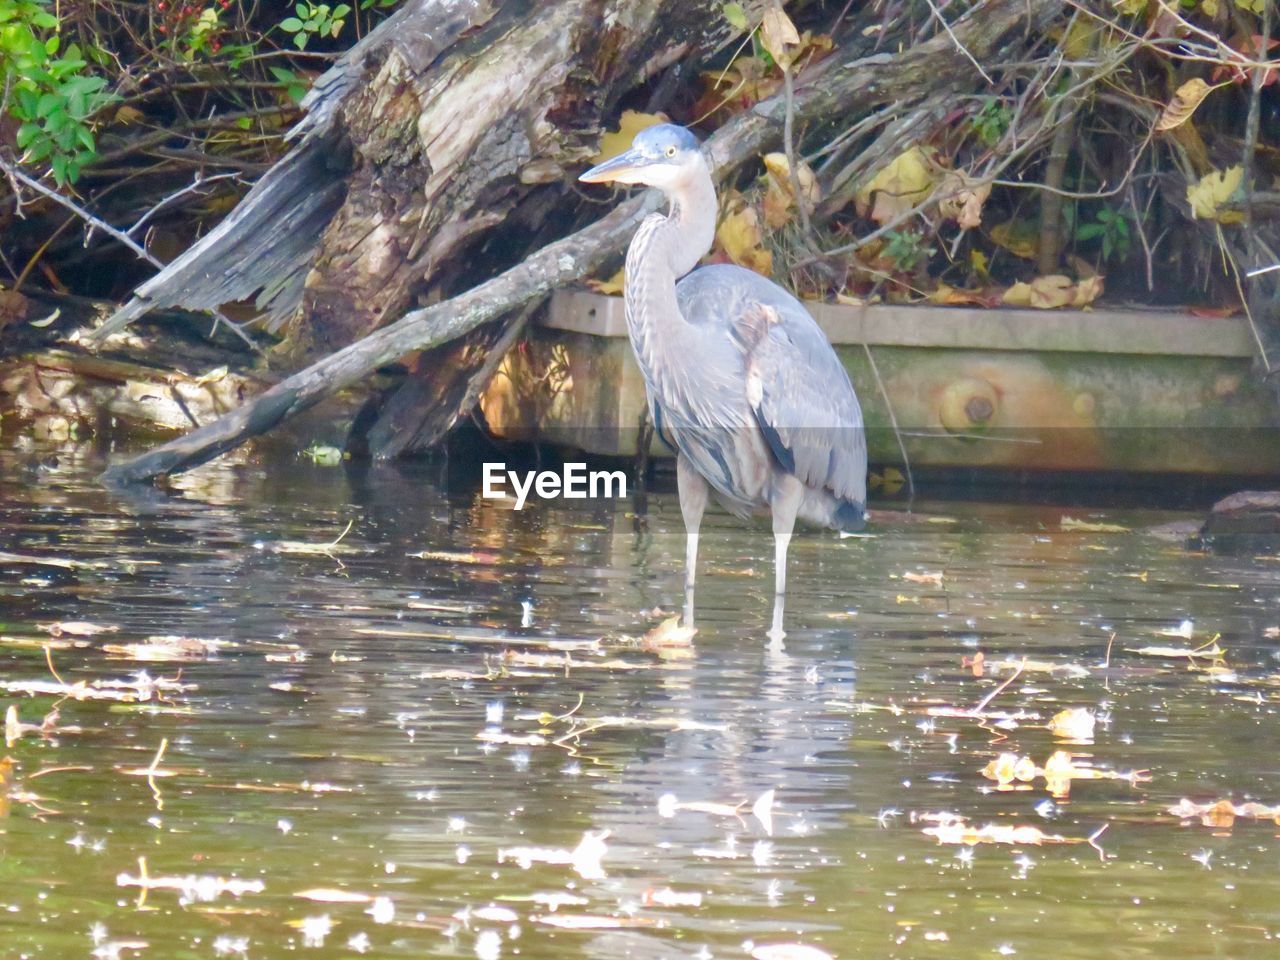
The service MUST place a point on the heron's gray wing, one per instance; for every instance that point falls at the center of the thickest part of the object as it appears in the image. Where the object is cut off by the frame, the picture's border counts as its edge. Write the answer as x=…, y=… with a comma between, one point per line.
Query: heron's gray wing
x=796, y=386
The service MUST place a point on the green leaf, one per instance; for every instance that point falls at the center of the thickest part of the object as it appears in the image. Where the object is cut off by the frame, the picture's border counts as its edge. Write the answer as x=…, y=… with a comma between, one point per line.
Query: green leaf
x=59, y=165
x=85, y=135
x=1090, y=230
x=736, y=16
x=27, y=134
x=291, y=24
x=303, y=10
x=244, y=123
x=51, y=45
x=300, y=40
x=340, y=11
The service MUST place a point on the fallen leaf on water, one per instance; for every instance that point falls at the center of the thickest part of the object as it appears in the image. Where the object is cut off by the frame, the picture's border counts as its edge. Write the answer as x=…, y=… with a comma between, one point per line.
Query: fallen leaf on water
x=933, y=578
x=582, y=921
x=331, y=895
x=511, y=739
x=1090, y=526
x=1222, y=813
x=669, y=633
x=666, y=897
x=494, y=914
x=162, y=649
x=1008, y=768
x=192, y=887
x=1074, y=723
x=788, y=951
x=77, y=628
x=762, y=810
x=586, y=858
x=669, y=805
x=963, y=833
x=1212, y=652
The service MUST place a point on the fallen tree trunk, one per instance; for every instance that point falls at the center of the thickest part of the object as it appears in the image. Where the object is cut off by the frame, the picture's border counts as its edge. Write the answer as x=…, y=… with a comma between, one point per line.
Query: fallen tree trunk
x=825, y=92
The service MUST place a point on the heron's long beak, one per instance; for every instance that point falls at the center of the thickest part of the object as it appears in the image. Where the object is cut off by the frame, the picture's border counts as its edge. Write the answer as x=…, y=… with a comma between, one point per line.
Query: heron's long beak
x=624, y=168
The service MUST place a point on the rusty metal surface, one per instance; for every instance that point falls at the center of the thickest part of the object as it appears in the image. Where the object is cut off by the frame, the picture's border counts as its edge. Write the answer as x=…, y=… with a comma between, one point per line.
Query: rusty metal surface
x=1023, y=390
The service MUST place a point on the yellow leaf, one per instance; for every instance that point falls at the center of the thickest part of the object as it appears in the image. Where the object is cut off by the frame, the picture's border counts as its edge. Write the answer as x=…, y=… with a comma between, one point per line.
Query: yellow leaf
x=1209, y=7
x=1130, y=7
x=1044, y=293
x=978, y=261
x=779, y=197
x=1018, y=237
x=739, y=235
x=962, y=199
x=612, y=287
x=1184, y=103
x=777, y=35
x=1087, y=290
x=898, y=187
x=1213, y=190
x=629, y=124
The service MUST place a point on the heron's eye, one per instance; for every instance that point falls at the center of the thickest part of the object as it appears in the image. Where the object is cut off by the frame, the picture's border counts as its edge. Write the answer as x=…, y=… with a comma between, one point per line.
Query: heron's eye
x=671, y=151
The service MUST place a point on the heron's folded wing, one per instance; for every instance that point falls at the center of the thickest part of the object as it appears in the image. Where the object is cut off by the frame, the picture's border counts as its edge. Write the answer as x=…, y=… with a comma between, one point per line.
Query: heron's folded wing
x=803, y=400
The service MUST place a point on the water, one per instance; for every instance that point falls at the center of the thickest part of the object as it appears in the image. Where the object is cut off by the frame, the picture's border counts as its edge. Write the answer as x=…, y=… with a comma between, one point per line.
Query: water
x=385, y=724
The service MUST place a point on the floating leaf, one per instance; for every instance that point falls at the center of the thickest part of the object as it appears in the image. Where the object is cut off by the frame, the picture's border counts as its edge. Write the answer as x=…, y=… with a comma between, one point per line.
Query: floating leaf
x=1185, y=100
x=1074, y=723
x=669, y=633
x=1089, y=526
x=1213, y=191
x=788, y=951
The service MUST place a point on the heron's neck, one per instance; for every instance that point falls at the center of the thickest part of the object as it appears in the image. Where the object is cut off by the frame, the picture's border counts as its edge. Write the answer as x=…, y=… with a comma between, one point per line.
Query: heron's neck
x=663, y=250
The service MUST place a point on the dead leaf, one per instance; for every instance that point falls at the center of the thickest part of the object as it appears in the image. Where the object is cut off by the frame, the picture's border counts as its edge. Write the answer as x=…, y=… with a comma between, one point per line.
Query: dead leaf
x=1185, y=100
x=618, y=141
x=779, y=196
x=1074, y=723
x=779, y=36
x=1043, y=293
x=669, y=633
x=898, y=187
x=962, y=199
x=1019, y=237
x=740, y=237
x=582, y=921
x=788, y=951
x=1089, y=526
x=331, y=895
x=1215, y=190
x=611, y=287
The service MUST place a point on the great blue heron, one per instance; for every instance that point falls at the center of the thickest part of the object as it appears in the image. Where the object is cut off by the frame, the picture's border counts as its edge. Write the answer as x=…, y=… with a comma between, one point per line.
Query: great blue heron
x=741, y=380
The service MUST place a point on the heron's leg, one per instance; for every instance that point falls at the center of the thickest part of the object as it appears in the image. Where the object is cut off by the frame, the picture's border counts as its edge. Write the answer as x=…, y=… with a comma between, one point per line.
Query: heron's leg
x=693, y=502
x=784, y=504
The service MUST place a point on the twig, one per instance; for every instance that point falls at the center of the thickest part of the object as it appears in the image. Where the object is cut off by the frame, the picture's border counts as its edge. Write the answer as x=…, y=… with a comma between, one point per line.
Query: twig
x=893, y=422
x=956, y=40
x=982, y=704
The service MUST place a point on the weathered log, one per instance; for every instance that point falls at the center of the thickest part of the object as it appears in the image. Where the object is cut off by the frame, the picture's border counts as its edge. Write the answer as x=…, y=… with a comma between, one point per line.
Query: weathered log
x=824, y=92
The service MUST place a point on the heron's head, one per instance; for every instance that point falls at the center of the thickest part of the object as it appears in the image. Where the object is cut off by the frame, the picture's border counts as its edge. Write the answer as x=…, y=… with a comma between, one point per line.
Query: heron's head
x=665, y=156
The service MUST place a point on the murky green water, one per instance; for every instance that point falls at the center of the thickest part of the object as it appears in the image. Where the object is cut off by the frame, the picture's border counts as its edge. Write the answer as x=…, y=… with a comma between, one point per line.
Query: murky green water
x=392, y=725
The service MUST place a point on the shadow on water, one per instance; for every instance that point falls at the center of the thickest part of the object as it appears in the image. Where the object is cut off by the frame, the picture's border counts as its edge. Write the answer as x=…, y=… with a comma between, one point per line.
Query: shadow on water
x=439, y=734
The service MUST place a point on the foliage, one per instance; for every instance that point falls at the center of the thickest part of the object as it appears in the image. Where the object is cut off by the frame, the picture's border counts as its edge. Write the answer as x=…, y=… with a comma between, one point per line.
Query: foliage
x=314, y=20
x=1112, y=226
x=53, y=98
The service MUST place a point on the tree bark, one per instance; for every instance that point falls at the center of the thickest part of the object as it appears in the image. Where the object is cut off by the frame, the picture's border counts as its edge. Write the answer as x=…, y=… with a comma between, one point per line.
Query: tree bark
x=829, y=90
